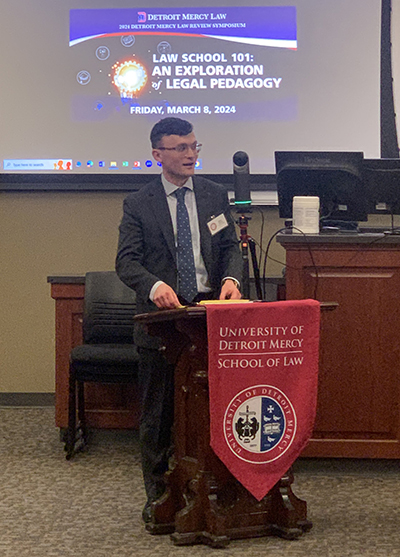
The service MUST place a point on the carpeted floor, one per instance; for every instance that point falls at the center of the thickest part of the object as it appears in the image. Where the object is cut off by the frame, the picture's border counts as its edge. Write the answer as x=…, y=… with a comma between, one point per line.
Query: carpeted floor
x=91, y=506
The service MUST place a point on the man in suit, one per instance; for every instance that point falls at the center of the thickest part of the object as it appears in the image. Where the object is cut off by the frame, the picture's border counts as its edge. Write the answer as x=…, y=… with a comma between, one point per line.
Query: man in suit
x=155, y=259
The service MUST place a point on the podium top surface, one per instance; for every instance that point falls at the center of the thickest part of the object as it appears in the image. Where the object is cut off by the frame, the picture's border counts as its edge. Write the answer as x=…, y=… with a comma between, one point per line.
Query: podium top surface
x=196, y=312
x=171, y=314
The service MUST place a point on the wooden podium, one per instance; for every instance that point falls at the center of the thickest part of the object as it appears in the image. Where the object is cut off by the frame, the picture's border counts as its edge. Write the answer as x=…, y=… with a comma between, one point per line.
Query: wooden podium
x=204, y=503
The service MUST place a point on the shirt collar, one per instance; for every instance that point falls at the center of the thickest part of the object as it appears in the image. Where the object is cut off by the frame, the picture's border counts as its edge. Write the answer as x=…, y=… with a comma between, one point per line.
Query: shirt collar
x=171, y=188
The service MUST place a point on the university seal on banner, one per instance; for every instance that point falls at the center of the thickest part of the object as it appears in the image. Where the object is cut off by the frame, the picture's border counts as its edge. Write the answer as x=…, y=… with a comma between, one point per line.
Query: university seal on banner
x=260, y=424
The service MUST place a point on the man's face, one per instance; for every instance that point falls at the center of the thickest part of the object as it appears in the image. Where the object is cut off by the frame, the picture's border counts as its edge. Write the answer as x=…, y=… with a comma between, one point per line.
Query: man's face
x=177, y=166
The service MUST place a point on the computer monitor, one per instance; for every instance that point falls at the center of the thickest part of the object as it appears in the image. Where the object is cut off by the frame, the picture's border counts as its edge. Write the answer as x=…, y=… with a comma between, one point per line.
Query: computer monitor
x=382, y=185
x=335, y=177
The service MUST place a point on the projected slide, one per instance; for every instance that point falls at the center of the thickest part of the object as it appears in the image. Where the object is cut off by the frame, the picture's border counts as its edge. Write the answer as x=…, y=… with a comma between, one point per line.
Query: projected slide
x=85, y=81
x=214, y=62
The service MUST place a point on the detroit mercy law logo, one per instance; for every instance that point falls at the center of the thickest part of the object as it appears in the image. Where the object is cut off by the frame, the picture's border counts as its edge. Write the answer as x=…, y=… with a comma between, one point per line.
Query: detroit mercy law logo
x=260, y=424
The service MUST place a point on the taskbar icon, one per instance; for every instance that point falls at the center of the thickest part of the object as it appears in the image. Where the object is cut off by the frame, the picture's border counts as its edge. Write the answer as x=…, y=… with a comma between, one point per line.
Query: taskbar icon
x=117, y=165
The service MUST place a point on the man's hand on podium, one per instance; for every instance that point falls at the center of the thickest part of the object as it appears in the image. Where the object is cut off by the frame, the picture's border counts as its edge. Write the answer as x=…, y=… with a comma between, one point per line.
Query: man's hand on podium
x=230, y=291
x=166, y=298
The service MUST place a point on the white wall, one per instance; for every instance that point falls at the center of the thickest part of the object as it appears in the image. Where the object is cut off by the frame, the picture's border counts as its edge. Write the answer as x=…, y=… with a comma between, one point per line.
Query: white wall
x=396, y=59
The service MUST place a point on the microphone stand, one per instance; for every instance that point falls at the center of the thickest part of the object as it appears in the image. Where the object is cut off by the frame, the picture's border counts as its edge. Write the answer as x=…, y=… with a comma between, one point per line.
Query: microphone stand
x=247, y=242
x=241, y=173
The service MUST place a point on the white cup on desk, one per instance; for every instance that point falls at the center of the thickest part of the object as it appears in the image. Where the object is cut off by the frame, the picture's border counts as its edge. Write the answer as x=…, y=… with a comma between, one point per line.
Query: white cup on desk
x=305, y=214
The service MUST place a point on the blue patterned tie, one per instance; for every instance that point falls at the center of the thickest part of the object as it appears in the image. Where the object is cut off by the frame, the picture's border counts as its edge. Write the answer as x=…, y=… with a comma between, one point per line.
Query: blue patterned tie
x=186, y=270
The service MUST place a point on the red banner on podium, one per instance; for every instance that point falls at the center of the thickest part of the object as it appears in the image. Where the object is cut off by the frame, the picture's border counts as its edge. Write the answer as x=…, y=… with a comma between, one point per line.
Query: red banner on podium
x=263, y=381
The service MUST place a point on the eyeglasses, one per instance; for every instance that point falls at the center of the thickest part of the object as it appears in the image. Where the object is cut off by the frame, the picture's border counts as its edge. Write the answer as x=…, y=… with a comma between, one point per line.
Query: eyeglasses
x=183, y=148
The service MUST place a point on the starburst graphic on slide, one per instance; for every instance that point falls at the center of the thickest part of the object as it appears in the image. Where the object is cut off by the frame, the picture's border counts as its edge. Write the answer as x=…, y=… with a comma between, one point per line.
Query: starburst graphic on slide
x=130, y=77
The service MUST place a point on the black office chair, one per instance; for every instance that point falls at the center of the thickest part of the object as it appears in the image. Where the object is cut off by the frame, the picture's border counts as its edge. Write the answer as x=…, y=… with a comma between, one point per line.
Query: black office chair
x=107, y=354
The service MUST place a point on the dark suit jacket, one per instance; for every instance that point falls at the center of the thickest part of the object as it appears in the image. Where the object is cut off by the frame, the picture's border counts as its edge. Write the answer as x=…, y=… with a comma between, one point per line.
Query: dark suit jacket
x=146, y=249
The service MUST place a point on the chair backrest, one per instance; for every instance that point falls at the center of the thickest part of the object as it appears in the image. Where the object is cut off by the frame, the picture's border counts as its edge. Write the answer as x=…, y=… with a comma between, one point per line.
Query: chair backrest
x=109, y=309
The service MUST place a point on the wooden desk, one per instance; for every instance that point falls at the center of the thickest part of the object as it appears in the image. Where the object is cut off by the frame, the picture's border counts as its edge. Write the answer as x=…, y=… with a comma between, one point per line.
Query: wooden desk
x=107, y=406
x=359, y=382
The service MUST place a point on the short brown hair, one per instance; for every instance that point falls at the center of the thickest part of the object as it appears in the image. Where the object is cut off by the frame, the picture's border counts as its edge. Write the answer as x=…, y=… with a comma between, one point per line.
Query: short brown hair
x=169, y=126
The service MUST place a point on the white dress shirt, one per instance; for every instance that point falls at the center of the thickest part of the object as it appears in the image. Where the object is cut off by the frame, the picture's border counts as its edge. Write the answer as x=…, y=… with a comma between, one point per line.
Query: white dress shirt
x=190, y=202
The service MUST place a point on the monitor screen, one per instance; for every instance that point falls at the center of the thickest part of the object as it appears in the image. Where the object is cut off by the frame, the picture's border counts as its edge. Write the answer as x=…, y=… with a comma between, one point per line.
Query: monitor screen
x=335, y=177
x=382, y=185
x=85, y=80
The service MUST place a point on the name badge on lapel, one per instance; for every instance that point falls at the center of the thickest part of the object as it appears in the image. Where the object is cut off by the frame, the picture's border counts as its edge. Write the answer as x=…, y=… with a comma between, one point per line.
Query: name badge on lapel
x=215, y=224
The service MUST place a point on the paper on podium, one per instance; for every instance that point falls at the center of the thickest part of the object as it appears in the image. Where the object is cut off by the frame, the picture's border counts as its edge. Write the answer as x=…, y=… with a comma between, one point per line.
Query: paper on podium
x=208, y=302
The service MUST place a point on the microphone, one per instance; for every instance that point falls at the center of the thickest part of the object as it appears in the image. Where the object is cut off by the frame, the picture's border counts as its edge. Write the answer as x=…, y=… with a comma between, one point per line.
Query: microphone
x=241, y=178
